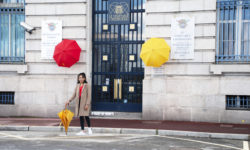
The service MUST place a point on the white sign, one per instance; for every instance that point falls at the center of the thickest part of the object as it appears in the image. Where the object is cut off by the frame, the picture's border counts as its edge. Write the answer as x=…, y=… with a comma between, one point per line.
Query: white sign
x=51, y=36
x=182, y=38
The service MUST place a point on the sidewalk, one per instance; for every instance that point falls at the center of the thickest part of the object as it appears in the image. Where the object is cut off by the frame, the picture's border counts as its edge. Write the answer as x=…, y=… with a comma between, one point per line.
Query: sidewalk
x=178, y=127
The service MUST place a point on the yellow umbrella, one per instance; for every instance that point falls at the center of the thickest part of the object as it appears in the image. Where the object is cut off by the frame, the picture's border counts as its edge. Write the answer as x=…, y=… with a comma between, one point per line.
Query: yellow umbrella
x=155, y=52
x=66, y=117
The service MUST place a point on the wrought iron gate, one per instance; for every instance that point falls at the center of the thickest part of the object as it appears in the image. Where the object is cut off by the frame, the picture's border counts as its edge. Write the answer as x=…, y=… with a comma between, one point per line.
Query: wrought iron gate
x=117, y=70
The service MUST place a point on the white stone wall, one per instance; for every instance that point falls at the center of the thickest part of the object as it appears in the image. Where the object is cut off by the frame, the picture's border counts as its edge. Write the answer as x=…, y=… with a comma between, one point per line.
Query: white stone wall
x=41, y=87
x=191, y=90
x=37, y=95
x=74, y=21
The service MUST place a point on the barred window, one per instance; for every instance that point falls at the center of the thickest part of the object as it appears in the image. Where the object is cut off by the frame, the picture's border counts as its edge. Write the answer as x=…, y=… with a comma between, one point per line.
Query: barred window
x=12, y=35
x=233, y=31
x=238, y=102
x=7, y=97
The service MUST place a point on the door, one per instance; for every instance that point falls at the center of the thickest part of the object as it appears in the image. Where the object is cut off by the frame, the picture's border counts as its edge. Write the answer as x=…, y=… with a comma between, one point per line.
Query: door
x=117, y=70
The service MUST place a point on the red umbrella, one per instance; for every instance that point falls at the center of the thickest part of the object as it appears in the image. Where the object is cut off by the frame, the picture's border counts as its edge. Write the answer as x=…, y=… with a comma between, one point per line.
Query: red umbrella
x=67, y=53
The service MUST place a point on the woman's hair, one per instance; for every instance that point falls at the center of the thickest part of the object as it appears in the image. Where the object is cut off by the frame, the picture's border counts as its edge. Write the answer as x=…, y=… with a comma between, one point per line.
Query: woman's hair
x=83, y=75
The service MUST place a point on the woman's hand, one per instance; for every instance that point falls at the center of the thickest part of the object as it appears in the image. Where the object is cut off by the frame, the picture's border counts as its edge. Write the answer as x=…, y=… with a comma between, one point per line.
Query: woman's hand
x=66, y=104
x=86, y=107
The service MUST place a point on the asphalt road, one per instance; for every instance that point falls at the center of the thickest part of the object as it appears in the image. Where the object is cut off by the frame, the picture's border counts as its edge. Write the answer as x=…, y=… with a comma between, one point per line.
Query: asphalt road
x=28, y=140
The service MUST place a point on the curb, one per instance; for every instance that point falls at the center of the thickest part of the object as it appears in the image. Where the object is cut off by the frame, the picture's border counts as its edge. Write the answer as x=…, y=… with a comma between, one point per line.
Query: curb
x=131, y=131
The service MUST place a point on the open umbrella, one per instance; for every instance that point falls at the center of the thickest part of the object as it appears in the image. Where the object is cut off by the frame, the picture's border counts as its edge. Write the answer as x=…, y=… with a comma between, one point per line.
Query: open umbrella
x=67, y=53
x=66, y=117
x=155, y=52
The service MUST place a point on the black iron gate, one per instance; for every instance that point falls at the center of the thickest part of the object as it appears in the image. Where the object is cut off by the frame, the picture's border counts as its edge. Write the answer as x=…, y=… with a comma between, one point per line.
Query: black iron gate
x=117, y=70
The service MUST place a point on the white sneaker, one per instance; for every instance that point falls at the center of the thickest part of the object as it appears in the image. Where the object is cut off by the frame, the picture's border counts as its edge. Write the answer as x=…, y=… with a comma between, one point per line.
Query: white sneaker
x=90, y=131
x=81, y=133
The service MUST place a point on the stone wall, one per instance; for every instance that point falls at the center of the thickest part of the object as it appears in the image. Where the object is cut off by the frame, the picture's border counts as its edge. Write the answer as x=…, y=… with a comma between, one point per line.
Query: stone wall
x=195, y=89
x=41, y=87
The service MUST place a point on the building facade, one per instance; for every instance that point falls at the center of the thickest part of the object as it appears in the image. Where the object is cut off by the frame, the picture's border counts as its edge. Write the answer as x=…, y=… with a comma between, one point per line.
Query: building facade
x=212, y=86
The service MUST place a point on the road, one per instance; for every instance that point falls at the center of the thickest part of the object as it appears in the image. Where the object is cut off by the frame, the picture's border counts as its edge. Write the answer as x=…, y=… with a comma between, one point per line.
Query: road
x=28, y=140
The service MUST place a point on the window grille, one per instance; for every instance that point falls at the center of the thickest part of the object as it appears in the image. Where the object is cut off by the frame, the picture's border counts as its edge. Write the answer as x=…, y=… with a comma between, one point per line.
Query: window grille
x=7, y=97
x=233, y=31
x=12, y=35
x=238, y=102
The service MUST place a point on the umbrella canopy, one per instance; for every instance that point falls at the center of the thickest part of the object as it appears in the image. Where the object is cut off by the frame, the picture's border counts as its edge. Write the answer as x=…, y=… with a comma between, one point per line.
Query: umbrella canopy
x=66, y=117
x=155, y=52
x=67, y=53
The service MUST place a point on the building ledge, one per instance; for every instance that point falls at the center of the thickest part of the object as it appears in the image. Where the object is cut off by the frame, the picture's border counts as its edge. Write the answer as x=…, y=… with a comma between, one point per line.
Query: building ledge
x=229, y=68
x=20, y=69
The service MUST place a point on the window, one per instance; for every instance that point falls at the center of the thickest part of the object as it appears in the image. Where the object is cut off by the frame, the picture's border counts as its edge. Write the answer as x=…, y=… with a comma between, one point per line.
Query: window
x=11, y=33
x=238, y=102
x=233, y=31
x=7, y=97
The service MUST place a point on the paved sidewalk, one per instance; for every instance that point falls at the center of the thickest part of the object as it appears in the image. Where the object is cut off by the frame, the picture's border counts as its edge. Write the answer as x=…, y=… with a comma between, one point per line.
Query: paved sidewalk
x=196, y=128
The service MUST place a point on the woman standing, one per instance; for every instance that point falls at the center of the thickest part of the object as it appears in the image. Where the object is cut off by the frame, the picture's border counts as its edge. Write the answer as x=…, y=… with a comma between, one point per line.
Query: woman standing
x=82, y=94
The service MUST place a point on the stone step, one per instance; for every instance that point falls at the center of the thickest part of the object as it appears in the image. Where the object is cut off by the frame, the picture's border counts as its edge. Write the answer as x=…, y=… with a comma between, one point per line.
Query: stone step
x=116, y=115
